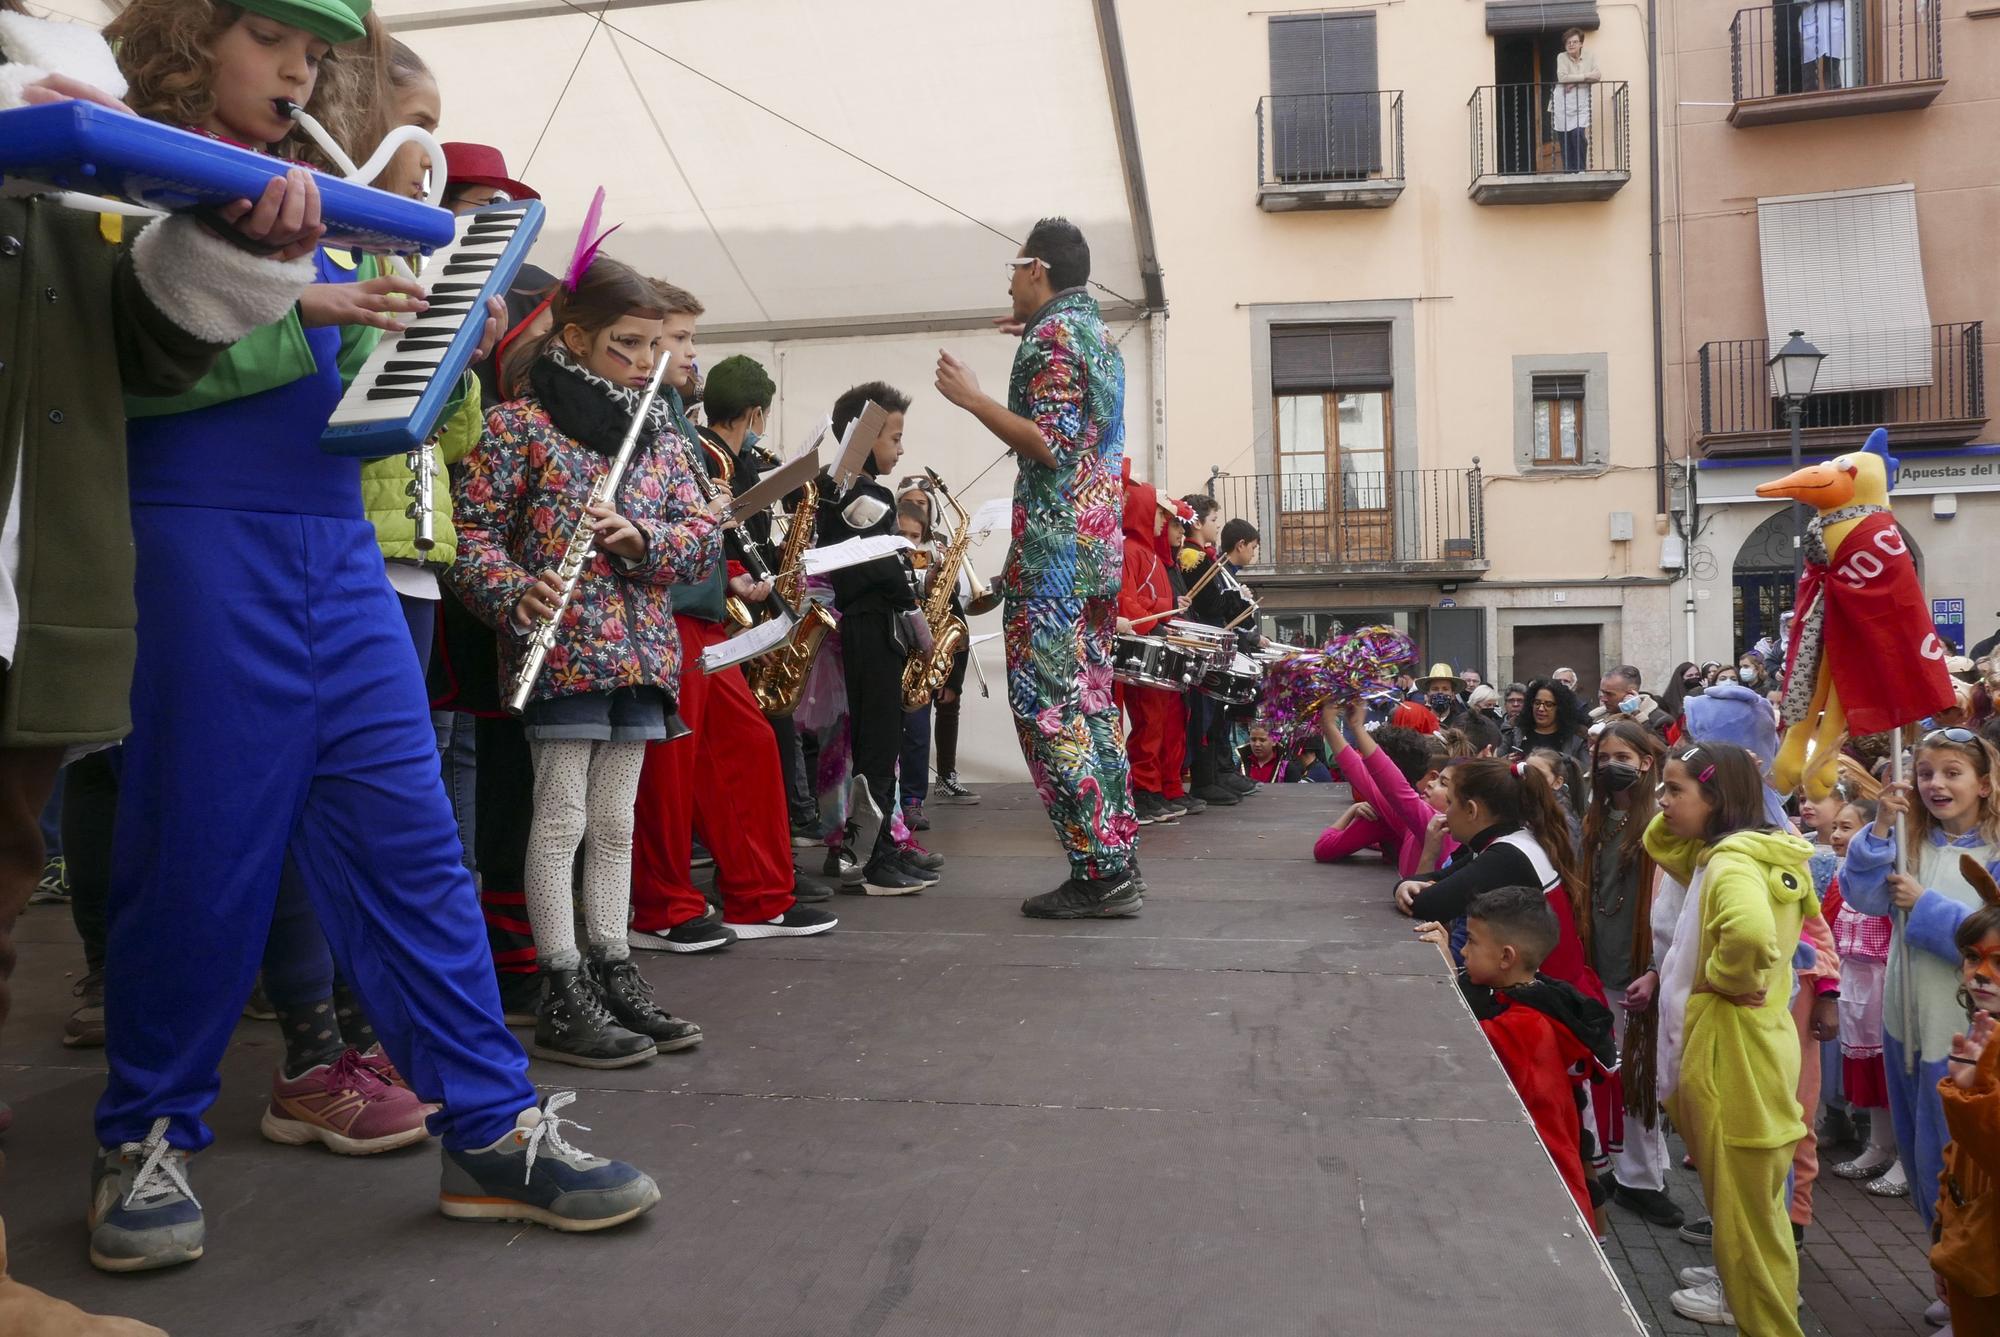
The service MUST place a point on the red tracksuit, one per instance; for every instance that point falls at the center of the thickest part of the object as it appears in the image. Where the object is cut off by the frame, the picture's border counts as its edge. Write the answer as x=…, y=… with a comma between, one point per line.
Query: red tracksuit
x=1157, y=744
x=723, y=781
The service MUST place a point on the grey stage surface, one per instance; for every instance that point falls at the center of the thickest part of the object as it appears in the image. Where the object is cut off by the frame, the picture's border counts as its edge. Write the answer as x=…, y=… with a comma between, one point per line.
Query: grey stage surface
x=1257, y=1109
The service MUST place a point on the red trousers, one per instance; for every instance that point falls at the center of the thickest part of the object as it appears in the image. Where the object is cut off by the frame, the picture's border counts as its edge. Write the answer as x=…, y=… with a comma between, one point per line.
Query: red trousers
x=723, y=781
x=1157, y=745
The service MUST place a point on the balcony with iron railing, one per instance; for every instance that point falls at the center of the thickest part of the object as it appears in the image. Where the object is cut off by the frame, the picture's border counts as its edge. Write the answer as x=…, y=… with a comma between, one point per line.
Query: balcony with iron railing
x=1822, y=58
x=1329, y=150
x=1361, y=525
x=1550, y=143
x=1740, y=414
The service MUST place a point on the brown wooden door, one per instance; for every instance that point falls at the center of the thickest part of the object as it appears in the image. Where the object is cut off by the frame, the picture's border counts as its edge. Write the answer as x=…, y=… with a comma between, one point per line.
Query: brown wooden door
x=1335, y=480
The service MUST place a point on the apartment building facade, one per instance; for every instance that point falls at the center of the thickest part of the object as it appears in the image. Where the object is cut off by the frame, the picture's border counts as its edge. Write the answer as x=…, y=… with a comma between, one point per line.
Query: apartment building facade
x=1829, y=167
x=1410, y=333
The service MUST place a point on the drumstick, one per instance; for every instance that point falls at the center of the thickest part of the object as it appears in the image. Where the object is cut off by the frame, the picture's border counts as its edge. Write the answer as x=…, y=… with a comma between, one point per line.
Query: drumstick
x=1214, y=569
x=1231, y=624
x=1155, y=617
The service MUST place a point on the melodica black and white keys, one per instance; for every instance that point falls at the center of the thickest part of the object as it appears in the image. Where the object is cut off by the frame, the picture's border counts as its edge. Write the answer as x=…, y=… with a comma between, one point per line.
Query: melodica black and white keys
x=394, y=401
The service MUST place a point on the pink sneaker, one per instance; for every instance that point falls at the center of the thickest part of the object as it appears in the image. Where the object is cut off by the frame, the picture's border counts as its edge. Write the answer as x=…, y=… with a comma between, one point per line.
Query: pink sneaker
x=377, y=1061
x=346, y=1106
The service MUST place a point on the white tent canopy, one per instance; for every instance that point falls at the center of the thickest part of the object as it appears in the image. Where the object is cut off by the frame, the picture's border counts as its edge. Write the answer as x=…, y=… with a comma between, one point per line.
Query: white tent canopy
x=1002, y=113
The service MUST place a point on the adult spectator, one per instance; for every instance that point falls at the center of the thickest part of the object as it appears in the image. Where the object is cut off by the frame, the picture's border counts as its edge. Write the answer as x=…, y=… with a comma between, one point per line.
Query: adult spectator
x=1514, y=698
x=1440, y=689
x=1551, y=719
x=1751, y=673
x=1567, y=677
x=1620, y=697
x=1471, y=678
x=1569, y=101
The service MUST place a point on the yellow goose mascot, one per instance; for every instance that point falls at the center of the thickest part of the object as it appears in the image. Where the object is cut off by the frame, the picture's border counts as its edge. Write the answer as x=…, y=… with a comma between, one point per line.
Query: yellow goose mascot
x=1864, y=656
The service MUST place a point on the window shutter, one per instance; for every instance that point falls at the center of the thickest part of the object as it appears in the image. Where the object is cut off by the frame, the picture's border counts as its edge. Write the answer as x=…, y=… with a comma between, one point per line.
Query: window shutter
x=1354, y=122
x=1537, y=16
x=1845, y=268
x=1562, y=385
x=1298, y=56
x=1322, y=358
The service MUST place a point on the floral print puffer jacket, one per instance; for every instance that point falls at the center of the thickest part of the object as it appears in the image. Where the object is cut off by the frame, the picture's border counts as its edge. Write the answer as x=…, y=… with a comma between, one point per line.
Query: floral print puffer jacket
x=519, y=495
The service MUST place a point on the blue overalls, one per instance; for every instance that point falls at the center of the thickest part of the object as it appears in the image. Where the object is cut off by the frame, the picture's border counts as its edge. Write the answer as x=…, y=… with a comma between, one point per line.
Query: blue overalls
x=277, y=708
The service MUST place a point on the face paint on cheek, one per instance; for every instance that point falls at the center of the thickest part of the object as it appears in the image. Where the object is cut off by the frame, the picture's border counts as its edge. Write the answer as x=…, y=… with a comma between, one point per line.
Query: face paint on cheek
x=612, y=349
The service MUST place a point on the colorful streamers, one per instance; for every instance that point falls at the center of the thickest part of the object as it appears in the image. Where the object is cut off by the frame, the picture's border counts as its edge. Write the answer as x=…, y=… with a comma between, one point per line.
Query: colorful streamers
x=1362, y=664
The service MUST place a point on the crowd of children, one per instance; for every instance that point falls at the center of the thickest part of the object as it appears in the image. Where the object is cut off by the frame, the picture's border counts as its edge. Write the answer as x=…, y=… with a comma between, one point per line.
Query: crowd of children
x=1706, y=954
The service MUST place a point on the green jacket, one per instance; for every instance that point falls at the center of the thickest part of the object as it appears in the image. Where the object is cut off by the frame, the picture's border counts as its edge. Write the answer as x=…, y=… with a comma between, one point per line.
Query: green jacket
x=385, y=483
x=77, y=332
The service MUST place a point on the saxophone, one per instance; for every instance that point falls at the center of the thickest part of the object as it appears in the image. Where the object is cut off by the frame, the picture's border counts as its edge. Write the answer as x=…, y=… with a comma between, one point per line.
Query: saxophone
x=778, y=679
x=927, y=671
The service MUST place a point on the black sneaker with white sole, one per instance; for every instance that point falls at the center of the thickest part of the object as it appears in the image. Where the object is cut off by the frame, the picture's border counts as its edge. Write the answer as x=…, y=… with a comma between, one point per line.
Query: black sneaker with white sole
x=887, y=877
x=798, y=922
x=949, y=790
x=1148, y=808
x=810, y=890
x=1699, y=1232
x=696, y=935
x=1188, y=804
x=928, y=876
x=840, y=867
x=1086, y=898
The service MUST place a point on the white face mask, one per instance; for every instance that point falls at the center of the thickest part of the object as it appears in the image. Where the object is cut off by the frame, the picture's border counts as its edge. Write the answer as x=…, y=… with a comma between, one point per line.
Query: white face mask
x=1747, y=674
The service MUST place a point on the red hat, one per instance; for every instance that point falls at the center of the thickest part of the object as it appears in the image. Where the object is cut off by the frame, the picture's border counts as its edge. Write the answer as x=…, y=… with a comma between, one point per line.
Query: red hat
x=482, y=165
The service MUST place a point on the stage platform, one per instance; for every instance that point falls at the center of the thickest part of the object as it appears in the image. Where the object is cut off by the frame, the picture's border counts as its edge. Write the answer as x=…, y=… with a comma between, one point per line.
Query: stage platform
x=1259, y=1108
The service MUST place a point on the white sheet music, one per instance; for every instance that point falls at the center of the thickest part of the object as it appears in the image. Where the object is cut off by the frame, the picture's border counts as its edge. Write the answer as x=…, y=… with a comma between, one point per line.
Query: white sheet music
x=991, y=515
x=746, y=645
x=840, y=556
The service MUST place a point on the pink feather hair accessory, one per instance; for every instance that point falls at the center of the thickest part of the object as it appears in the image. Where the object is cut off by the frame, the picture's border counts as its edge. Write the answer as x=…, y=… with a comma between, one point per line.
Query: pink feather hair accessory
x=588, y=239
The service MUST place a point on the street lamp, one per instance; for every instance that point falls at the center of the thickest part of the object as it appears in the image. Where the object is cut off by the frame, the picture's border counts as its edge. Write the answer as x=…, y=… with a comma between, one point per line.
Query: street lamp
x=1795, y=367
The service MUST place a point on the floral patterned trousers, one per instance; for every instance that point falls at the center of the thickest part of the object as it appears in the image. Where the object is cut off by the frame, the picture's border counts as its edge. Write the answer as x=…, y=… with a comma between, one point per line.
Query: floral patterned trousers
x=1059, y=686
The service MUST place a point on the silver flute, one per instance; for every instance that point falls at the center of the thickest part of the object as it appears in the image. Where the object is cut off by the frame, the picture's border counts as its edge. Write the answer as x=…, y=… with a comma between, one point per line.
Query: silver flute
x=422, y=508
x=582, y=547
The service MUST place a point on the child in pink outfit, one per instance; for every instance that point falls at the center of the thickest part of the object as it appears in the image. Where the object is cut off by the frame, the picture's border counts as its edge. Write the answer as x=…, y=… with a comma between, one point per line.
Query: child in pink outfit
x=1394, y=772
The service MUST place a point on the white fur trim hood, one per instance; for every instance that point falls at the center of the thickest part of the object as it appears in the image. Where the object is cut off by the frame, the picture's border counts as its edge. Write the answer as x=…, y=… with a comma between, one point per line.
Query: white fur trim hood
x=37, y=48
x=211, y=288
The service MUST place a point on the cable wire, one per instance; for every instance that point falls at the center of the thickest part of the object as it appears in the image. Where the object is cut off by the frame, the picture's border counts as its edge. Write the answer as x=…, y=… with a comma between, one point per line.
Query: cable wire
x=564, y=92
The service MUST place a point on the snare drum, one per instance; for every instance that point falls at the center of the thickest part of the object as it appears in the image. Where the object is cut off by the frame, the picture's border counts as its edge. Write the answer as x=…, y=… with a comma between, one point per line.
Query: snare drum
x=1239, y=683
x=1211, y=647
x=1149, y=661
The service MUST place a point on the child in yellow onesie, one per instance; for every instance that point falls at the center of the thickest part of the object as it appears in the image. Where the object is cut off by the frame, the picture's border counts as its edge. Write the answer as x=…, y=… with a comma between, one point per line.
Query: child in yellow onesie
x=1729, y=977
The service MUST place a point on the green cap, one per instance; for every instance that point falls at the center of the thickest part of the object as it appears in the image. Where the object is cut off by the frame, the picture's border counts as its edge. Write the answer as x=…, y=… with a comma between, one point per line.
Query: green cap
x=734, y=386
x=333, y=21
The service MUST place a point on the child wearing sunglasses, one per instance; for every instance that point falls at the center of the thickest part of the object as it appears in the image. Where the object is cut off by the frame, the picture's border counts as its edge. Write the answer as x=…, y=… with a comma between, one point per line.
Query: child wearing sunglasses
x=1956, y=813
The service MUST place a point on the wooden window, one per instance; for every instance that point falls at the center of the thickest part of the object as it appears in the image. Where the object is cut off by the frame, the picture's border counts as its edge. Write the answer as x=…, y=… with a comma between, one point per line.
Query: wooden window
x=1559, y=419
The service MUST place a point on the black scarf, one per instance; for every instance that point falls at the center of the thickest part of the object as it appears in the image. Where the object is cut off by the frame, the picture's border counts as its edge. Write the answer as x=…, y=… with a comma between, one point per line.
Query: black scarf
x=1563, y=1003
x=587, y=408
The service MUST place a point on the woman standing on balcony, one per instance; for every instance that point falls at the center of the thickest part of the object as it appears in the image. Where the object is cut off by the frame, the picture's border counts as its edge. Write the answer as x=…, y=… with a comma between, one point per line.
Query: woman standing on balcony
x=1569, y=105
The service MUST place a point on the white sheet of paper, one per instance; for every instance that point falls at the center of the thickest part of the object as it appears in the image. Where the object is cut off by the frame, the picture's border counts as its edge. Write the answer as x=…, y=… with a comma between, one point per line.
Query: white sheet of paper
x=982, y=638
x=991, y=515
x=840, y=556
x=747, y=645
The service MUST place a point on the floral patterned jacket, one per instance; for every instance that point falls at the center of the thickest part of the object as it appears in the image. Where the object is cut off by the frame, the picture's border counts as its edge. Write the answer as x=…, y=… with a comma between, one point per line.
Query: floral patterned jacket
x=519, y=495
x=1069, y=378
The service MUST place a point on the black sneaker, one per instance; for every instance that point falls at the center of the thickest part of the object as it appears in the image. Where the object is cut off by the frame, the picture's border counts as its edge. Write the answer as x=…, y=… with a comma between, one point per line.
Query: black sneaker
x=1651, y=1203
x=699, y=857
x=949, y=790
x=574, y=1026
x=143, y=1215
x=85, y=1027
x=1699, y=1232
x=840, y=867
x=923, y=860
x=806, y=834
x=810, y=890
x=1148, y=808
x=1218, y=795
x=902, y=860
x=532, y=1174
x=1836, y=1129
x=1189, y=805
x=797, y=922
x=887, y=877
x=913, y=817
x=1242, y=784
x=53, y=888
x=1081, y=898
x=628, y=995
x=520, y=997
x=696, y=935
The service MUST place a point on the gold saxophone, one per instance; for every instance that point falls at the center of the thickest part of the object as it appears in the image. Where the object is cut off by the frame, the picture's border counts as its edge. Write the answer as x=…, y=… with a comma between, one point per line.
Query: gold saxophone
x=925, y=672
x=778, y=679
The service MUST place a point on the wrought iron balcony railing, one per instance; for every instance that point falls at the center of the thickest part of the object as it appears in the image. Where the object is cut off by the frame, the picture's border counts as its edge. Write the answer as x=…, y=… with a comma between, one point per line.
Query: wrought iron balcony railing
x=1361, y=522
x=1739, y=412
x=1805, y=59
x=1329, y=150
x=1547, y=143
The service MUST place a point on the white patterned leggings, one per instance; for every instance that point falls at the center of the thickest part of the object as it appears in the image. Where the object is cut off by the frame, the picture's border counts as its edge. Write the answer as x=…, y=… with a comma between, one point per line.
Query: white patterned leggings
x=584, y=791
